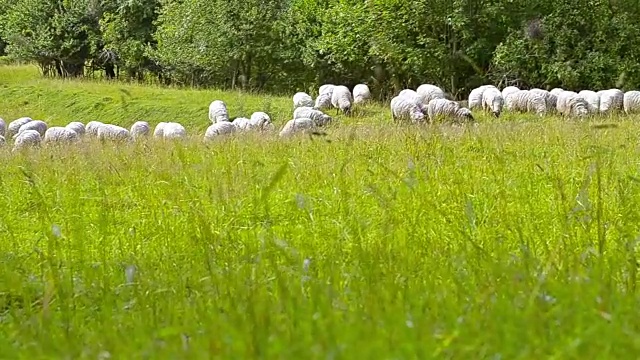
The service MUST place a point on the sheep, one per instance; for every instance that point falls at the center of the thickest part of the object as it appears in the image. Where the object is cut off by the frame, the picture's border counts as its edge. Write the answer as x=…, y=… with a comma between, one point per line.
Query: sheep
x=304, y=125
x=3, y=127
x=301, y=99
x=525, y=101
x=326, y=89
x=92, y=127
x=60, y=134
x=218, y=111
x=158, y=131
x=428, y=92
x=173, y=130
x=323, y=101
x=631, y=102
x=361, y=94
x=76, y=126
x=475, y=96
x=320, y=118
x=260, y=121
x=218, y=129
x=611, y=100
x=15, y=125
x=438, y=108
x=492, y=100
x=113, y=132
x=140, y=129
x=509, y=90
x=413, y=96
x=242, y=124
x=592, y=99
x=406, y=108
x=27, y=138
x=3, y=142
x=341, y=99
x=37, y=125
x=550, y=100
x=570, y=104
x=556, y=92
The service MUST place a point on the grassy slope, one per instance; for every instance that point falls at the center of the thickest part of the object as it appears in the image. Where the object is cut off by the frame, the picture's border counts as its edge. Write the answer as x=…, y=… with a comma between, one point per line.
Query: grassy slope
x=515, y=239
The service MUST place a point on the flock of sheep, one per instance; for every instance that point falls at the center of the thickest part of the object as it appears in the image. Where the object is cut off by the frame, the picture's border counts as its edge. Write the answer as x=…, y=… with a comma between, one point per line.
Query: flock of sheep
x=426, y=104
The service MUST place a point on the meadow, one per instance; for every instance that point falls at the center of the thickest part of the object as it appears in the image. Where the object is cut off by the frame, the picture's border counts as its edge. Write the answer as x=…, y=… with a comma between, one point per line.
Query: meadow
x=513, y=239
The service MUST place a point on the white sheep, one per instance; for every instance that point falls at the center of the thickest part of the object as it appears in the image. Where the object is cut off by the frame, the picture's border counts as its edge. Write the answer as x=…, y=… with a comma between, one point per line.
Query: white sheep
x=413, y=96
x=475, y=96
x=219, y=129
x=242, y=124
x=158, y=131
x=302, y=99
x=342, y=99
x=15, y=125
x=218, y=111
x=300, y=125
x=593, y=100
x=113, y=132
x=571, y=104
x=3, y=142
x=611, y=100
x=631, y=102
x=492, y=100
x=550, y=100
x=140, y=129
x=77, y=127
x=173, y=130
x=428, y=92
x=508, y=91
x=443, y=108
x=37, y=125
x=525, y=101
x=260, y=121
x=406, y=107
x=326, y=89
x=361, y=94
x=27, y=138
x=3, y=127
x=92, y=127
x=320, y=118
x=556, y=92
x=60, y=134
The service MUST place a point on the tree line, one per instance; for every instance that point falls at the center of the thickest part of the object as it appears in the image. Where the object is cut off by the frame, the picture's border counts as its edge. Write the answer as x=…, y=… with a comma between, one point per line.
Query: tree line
x=287, y=45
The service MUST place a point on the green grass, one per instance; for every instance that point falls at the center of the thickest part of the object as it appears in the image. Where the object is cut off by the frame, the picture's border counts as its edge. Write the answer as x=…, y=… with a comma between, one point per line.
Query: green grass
x=515, y=239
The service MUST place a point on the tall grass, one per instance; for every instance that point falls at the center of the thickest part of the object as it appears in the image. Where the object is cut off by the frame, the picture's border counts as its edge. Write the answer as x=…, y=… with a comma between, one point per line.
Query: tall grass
x=512, y=239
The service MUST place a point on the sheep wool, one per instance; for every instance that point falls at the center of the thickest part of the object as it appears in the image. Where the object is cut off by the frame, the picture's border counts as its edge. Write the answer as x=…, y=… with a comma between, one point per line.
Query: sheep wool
x=611, y=100
x=76, y=126
x=242, y=124
x=406, y=107
x=59, y=134
x=508, y=91
x=570, y=104
x=260, y=121
x=300, y=125
x=447, y=109
x=556, y=91
x=218, y=111
x=15, y=125
x=140, y=129
x=113, y=132
x=631, y=102
x=525, y=101
x=342, y=99
x=173, y=130
x=428, y=92
x=3, y=127
x=92, y=127
x=3, y=142
x=550, y=100
x=361, y=94
x=37, y=125
x=302, y=99
x=219, y=129
x=475, y=96
x=27, y=138
x=326, y=89
x=158, y=131
x=593, y=100
x=320, y=118
x=492, y=100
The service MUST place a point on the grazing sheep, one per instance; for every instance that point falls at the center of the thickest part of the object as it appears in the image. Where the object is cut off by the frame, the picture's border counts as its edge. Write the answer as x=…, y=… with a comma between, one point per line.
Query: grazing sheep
x=140, y=129
x=443, y=108
x=413, y=96
x=492, y=100
x=302, y=99
x=631, y=102
x=593, y=100
x=428, y=92
x=320, y=118
x=323, y=101
x=475, y=96
x=3, y=127
x=173, y=130
x=92, y=127
x=570, y=104
x=611, y=100
x=158, y=131
x=37, y=125
x=326, y=89
x=556, y=91
x=300, y=125
x=550, y=100
x=525, y=101
x=27, y=138
x=218, y=129
x=509, y=90
x=341, y=99
x=260, y=121
x=113, y=132
x=76, y=126
x=57, y=134
x=218, y=111
x=361, y=94
x=15, y=125
x=406, y=107
x=242, y=124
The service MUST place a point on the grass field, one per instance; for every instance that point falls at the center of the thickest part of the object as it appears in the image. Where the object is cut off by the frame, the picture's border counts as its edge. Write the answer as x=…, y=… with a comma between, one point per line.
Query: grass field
x=515, y=239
